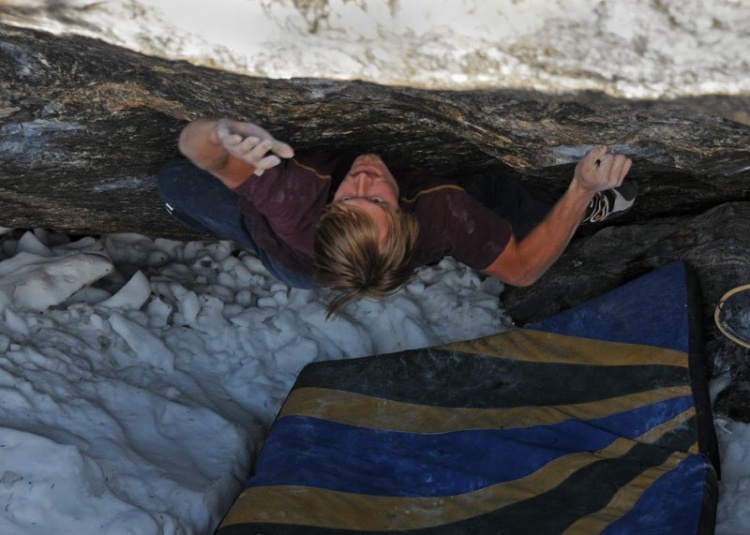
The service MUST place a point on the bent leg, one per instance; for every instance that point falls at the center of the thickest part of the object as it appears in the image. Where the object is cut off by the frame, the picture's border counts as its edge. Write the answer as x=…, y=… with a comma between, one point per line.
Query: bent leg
x=507, y=198
x=198, y=199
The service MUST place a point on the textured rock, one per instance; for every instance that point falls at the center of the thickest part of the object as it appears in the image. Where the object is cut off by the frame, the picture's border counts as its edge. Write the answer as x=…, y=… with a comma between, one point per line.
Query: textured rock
x=96, y=121
x=84, y=127
x=716, y=244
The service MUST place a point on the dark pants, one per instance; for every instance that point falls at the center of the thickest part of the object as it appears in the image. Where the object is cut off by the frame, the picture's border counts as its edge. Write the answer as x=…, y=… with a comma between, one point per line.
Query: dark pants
x=200, y=200
x=523, y=207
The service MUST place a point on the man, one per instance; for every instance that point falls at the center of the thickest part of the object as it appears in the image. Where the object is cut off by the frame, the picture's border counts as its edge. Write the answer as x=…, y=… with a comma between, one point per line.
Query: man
x=357, y=226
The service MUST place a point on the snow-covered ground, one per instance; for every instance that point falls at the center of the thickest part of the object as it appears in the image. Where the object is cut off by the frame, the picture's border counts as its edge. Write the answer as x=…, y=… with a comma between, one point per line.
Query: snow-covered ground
x=137, y=376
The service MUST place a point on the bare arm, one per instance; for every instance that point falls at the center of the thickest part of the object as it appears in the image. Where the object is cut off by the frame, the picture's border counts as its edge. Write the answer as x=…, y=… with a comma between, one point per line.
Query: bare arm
x=231, y=150
x=523, y=263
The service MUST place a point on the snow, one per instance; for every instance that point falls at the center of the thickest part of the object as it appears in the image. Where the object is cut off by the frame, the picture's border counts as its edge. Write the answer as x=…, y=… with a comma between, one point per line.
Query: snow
x=138, y=385
x=733, y=515
x=138, y=376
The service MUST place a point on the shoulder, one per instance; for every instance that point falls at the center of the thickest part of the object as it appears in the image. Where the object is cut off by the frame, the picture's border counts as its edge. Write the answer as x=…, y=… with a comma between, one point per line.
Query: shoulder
x=418, y=188
x=315, y=164
x=434, y=193
x=299, y=172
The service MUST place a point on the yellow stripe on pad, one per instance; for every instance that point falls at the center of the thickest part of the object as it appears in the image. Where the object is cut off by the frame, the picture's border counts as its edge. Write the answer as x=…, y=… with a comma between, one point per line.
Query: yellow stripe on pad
x=537, y=346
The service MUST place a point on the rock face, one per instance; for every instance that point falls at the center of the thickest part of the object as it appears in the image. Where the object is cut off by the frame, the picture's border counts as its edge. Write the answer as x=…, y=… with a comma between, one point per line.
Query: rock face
x=84, y=127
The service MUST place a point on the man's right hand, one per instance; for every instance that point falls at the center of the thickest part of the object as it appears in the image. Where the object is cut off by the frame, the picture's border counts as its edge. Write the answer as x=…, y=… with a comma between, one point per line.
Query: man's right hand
x=600, y=170
x=251, y=144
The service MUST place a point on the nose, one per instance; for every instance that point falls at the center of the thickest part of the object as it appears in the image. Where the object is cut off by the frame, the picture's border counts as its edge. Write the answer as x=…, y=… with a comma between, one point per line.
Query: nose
x=362, y=182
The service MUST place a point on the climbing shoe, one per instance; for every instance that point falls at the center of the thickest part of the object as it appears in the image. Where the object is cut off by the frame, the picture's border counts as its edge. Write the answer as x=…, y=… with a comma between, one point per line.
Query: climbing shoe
x=611, y=203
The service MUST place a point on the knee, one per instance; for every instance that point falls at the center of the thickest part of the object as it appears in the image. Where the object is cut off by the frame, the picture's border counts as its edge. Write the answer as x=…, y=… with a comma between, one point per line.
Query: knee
x=179, y=181
x=171, y=178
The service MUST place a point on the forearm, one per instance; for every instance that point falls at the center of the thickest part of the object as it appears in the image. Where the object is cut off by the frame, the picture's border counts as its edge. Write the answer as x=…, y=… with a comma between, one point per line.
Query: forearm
x=523, y=263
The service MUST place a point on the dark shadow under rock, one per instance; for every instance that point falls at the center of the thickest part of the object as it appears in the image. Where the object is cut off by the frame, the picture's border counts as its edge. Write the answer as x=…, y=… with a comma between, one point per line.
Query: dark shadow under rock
x=734, y=400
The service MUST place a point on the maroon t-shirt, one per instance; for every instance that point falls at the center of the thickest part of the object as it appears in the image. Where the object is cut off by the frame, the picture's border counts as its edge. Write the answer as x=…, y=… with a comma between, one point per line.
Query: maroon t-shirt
x=286, y=202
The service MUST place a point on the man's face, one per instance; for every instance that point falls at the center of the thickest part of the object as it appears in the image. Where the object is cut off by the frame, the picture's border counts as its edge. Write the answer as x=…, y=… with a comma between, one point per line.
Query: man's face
x=370, y=180
x=369, y=185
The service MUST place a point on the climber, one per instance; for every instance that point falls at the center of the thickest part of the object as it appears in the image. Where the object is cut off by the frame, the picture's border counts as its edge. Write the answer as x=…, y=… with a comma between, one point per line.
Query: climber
x=361, y=224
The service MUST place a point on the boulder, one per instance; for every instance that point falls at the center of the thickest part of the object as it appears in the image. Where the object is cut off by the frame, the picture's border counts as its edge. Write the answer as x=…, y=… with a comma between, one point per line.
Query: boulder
x=85, y=126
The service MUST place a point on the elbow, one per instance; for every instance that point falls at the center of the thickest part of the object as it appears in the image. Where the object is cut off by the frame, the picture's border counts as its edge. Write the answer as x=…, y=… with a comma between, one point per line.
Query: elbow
x=523, y=280
x=199, y=144
x=515, y=277
x=513, y=268
x=188, y=141
x=182, y=143
x=520, y=274
x=196, y=136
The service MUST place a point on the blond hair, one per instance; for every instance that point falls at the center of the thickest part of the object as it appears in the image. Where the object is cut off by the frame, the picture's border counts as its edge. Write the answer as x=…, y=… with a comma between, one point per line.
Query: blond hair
x=349, y=259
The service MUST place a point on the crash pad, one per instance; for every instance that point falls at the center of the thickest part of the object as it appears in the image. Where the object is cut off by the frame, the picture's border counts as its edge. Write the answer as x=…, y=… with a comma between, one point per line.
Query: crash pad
x=596, y=420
